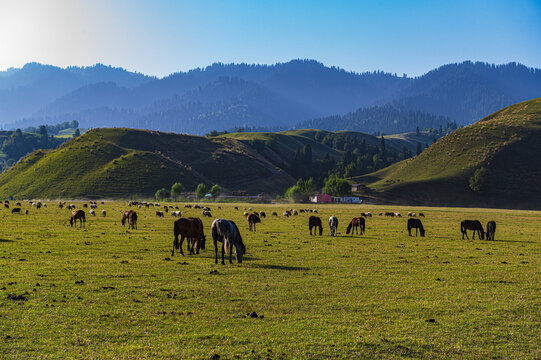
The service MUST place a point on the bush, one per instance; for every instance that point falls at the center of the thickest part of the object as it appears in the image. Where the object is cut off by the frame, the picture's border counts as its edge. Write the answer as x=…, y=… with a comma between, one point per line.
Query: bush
x=479, y=181
x=162, y=194
x=201, y=190
x=216, y=190
x=177, y=189
x=301, y=191
x=336, y=186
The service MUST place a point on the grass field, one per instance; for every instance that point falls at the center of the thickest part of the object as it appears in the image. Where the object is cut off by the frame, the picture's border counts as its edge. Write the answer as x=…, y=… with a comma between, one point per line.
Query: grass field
x=108, y=293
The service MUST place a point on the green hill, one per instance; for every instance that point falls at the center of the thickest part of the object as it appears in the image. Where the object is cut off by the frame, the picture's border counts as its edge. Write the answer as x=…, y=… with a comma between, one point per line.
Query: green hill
x=507, y=143
x=127, y=163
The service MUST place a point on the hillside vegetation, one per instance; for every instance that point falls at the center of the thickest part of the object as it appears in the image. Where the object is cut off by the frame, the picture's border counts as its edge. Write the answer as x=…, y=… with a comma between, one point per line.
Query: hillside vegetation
x=135, y=163
x=506, y=143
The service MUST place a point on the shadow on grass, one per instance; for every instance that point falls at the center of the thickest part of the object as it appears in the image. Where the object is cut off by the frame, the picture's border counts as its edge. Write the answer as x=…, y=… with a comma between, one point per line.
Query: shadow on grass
x=280, y=267
x=6, y=241
x=512, y=241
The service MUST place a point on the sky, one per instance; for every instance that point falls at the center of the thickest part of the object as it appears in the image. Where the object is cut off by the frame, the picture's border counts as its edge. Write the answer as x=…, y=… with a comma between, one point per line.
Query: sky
x=160, y=37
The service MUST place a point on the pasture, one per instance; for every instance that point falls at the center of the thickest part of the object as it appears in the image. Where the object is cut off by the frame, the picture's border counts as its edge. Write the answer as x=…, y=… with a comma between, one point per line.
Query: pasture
x=112, y=293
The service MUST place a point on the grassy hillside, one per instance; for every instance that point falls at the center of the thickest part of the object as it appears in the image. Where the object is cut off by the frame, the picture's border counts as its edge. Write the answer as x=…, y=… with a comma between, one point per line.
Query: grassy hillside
x=507, y=143
x=127, y=163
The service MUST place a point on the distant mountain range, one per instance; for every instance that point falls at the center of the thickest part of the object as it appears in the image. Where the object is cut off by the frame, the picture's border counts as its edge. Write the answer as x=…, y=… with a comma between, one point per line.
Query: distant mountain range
x=296, y=94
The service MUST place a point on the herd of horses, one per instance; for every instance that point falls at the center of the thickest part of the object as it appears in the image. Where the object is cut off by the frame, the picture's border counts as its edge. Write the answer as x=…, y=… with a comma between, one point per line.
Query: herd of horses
x=228, y=235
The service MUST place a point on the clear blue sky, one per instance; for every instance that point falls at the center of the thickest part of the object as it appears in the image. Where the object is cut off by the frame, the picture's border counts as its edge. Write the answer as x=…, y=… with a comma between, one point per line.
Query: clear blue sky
x=163, y=36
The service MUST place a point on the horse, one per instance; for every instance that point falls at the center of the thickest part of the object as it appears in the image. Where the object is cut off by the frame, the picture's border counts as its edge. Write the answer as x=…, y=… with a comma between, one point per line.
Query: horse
x=262, y=214
x=491, y=230
x=125, y=217
x=78, y=215
x=274, y=213
x=16, y=210
x=104, y=213
x=199, y=241
x=391, y=214
x=357, y=222
x=421, y=215
x=191, y=229
x=474, y=225
x=226, y=232
x=132, y=220
x=315, y=222
x=417, y=224
x=252, y=220
x=159, y=214
x=333, y=224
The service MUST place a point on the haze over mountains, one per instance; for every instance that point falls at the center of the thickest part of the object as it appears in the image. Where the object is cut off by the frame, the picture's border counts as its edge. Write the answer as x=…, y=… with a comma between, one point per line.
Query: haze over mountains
x=296, y=94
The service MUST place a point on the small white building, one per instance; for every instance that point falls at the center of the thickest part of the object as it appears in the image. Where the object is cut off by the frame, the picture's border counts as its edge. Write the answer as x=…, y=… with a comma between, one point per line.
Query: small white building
x=347, y=200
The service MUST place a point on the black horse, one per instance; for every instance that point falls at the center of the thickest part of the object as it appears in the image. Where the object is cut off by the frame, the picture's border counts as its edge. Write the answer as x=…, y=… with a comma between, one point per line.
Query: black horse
x=315, y=222
x=474, y=225
x=417, y=224
x=491, y=230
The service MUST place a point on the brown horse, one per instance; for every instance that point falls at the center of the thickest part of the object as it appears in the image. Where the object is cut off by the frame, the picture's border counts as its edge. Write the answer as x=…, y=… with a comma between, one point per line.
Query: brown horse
x=315, y=222
x=132, y=220
x=78, y=215
x=197, y=243
x=252, y=220
x=357, y=222
x=474, y=225
x=190, y=229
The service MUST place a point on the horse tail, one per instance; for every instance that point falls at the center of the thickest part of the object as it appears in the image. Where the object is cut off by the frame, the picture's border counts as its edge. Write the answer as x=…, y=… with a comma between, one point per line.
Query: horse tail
x=349, y=227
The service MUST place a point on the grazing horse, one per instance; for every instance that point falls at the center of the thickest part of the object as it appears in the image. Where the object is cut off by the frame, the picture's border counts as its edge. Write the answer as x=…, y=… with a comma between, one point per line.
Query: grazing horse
x=417, y=224
x=159, y=214
x=104, y=213
x=16, y=210
x=262, y=214
x=391, y=214
x=78, y=215
x=199, y=241
x=190, y=229
x=252, y=220
x=474, y=225
x=227, y=232
x=357, y=222
x=333, y=224
x=132, y=220
x=421, y=215
x=491, y=230
x=125, y=217
x=315, y=222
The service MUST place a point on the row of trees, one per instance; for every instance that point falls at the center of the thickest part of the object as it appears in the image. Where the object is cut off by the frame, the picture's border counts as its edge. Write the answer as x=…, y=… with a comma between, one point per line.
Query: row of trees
x=178, y=188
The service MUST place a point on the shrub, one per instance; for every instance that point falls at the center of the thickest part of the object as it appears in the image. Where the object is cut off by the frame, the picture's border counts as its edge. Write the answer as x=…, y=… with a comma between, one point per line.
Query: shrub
x=479, y=181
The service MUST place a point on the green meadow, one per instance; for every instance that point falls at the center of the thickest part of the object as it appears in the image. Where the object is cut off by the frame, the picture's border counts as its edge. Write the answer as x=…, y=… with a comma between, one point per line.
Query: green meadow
x=106, y=292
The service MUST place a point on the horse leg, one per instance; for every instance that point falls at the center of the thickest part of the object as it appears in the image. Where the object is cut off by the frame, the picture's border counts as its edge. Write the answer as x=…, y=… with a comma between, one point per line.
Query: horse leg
x=309, y=227
x=175, y=241
x=231, y=253
x=223, y=251
x=320, y=230
x=180, y=244
x=215, y=252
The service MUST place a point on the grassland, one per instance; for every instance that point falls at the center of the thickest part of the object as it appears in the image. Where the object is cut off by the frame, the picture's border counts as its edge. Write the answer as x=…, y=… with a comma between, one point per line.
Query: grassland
x=111, y=293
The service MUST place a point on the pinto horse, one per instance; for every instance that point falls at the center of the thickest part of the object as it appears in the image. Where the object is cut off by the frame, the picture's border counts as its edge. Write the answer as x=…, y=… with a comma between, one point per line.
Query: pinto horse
x=227, y=232
x=357, y=222
x=333, y=224
x=474, y=225
x=78, y=215
x=418, y=225
x=315, y=222
x=252, y=220
x=491, y=230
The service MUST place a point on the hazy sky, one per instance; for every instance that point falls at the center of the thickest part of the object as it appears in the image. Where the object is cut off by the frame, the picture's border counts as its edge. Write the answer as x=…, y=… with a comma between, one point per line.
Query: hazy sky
x=159, y=37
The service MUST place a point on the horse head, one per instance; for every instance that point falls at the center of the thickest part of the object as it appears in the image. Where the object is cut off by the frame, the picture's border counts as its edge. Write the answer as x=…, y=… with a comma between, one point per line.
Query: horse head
x=202, y=242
